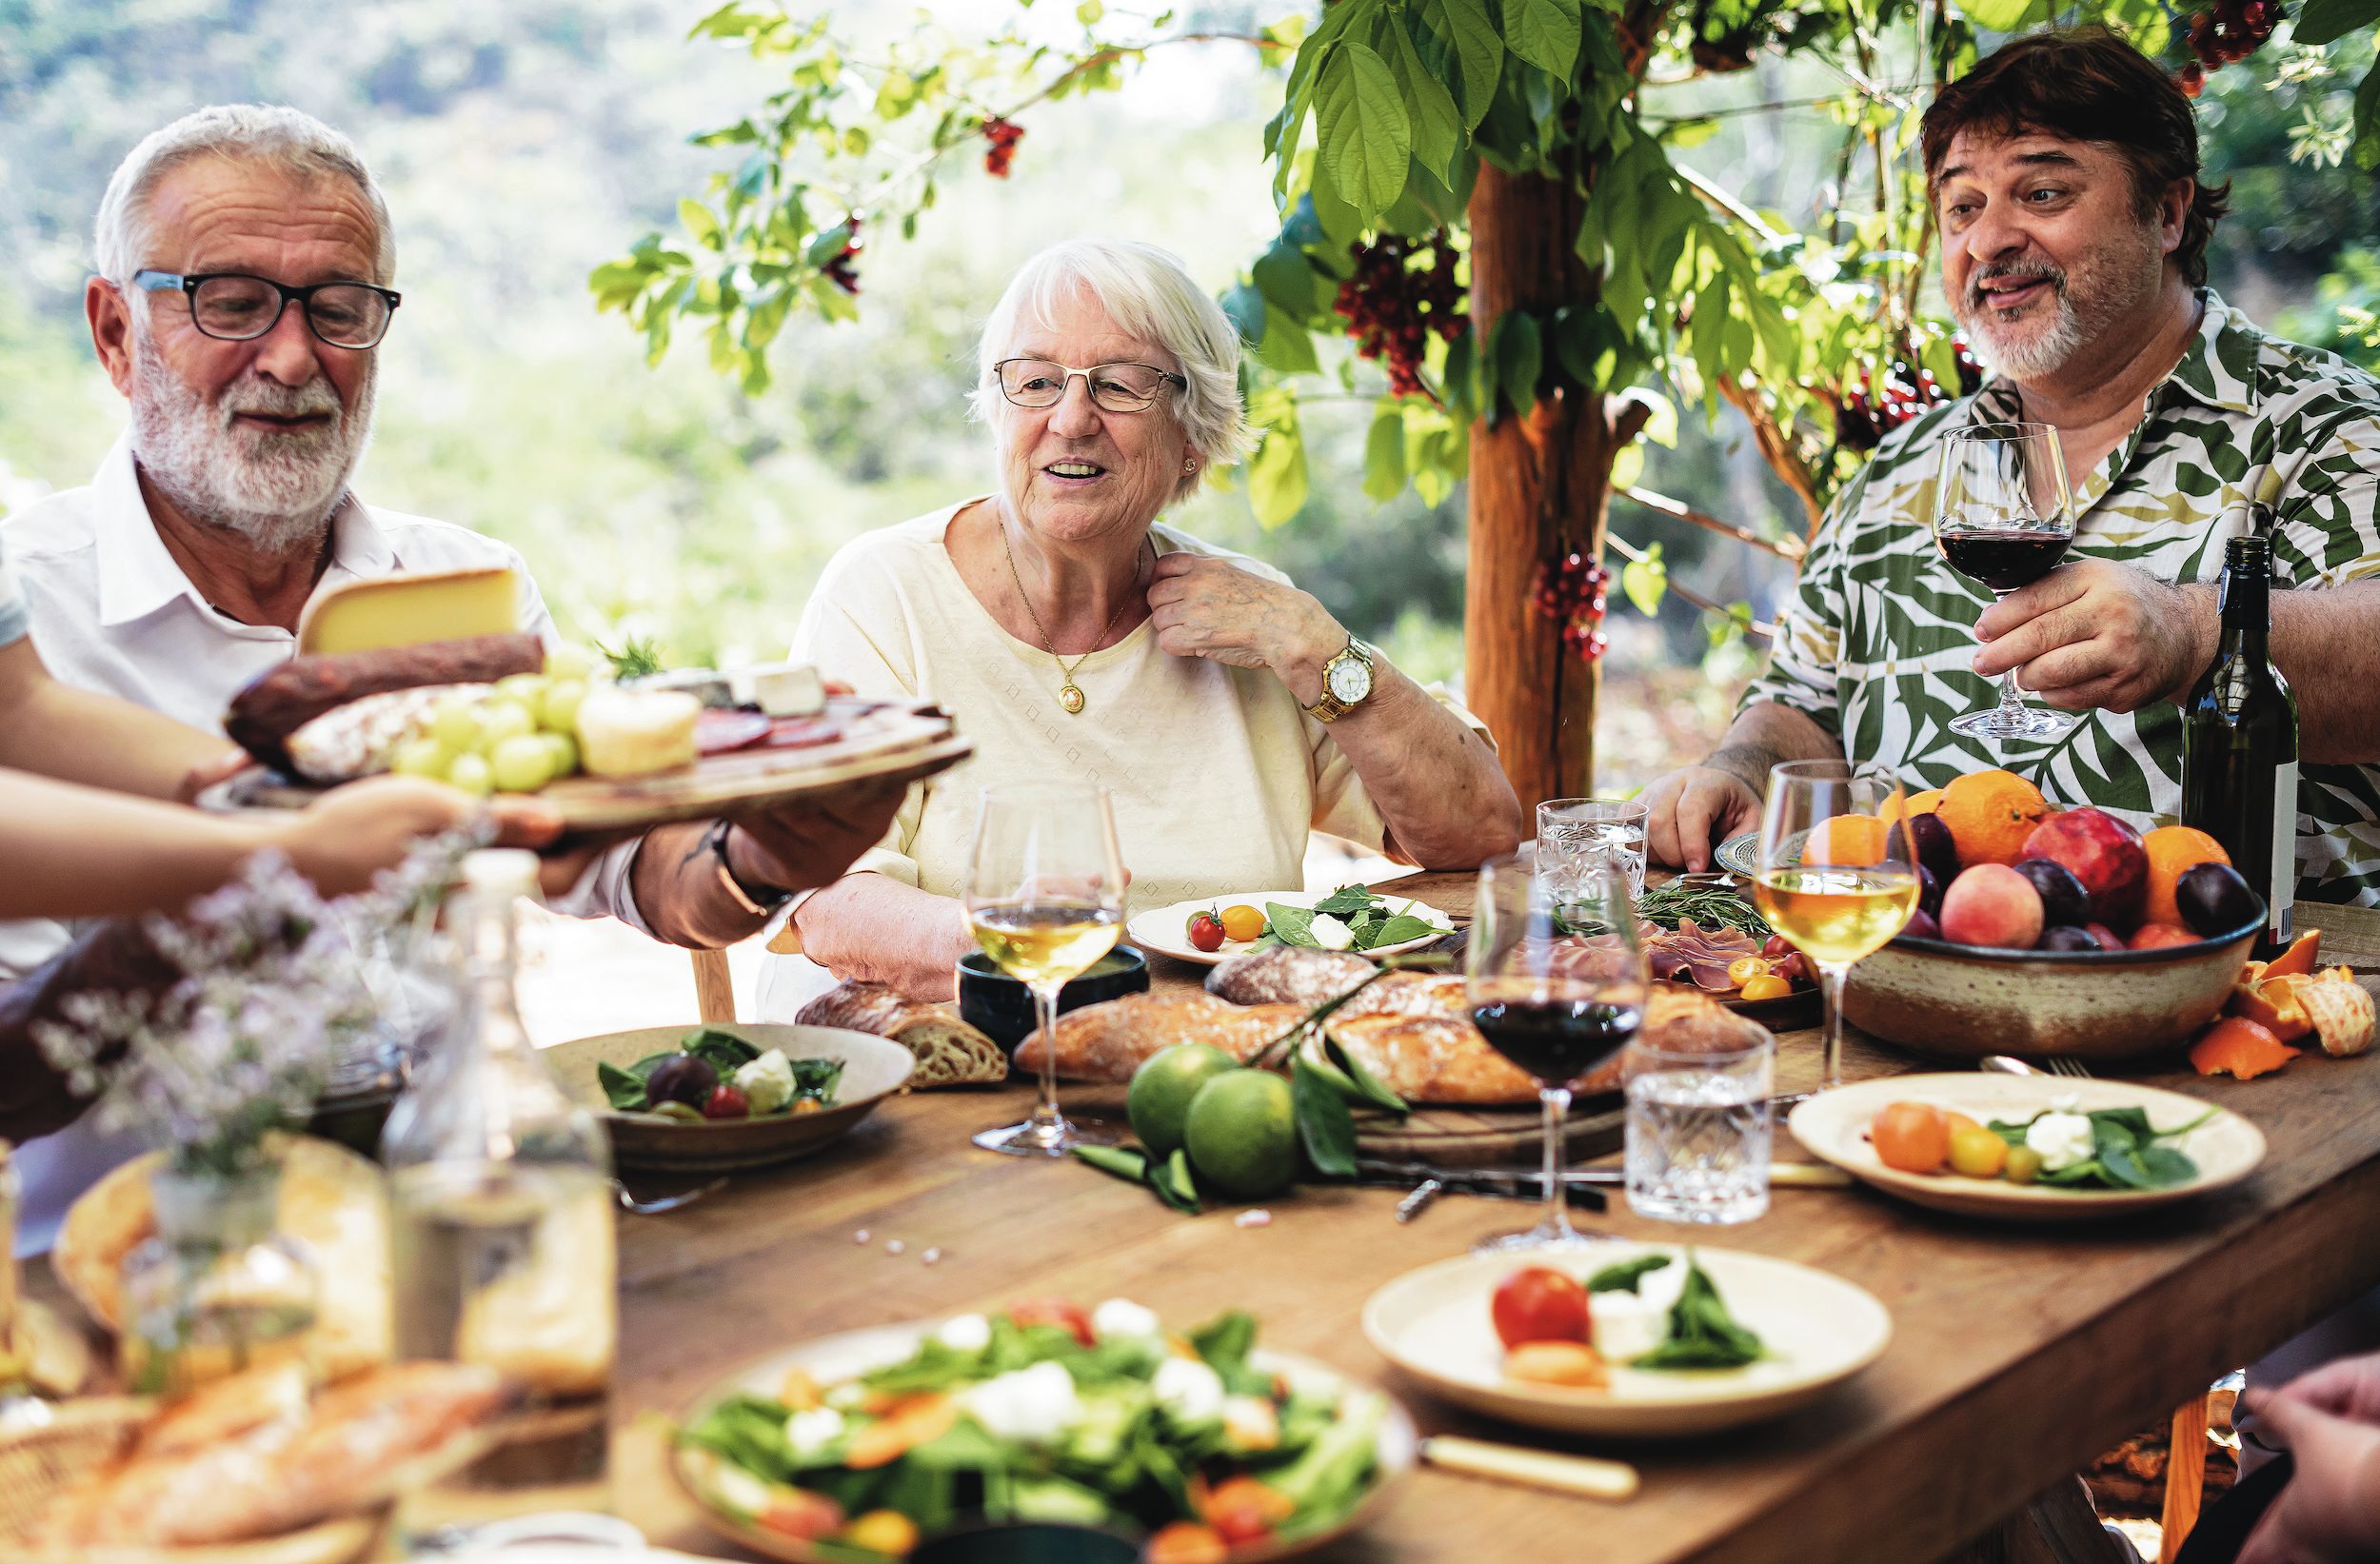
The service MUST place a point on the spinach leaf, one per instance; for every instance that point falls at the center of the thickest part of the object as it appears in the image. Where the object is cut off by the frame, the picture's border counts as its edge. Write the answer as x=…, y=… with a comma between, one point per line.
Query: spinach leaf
x=2012, y=1131
x=815, y=1077
x=719, y=1048
x=1346, y=902
x=2084, y=1172
x=626, y=1091
x=1325, y=1126
x=1623, y=1276
x=2133, y=1123
x=1396, y=931
x=1702, y=1334
x=1291, y=925
x=1225, y=1342
x=749, y=1431
x=1326, y=1479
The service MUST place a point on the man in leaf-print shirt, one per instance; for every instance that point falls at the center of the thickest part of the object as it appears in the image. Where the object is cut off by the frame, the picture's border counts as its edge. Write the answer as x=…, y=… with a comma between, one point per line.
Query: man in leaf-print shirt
x=2063, y=172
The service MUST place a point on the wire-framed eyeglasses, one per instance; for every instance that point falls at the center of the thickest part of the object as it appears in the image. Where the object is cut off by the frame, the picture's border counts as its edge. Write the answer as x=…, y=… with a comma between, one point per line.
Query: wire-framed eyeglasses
x=234, y=306
x=1116, y=387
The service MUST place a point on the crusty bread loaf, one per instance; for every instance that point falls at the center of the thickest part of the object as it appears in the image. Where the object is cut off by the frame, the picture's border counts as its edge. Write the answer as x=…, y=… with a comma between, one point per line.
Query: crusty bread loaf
x=949, y=1052
x=1108, y=1041
x=1287, y=975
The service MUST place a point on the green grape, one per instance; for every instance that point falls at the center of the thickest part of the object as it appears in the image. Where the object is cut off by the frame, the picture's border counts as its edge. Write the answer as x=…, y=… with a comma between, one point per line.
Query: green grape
x=423, y=757
x=503, y=720
x=527, y=688
x=565, y=750
x=560, y=711
x=470, y=772
x=455, y=722
x=570, y=662
x=521, y=763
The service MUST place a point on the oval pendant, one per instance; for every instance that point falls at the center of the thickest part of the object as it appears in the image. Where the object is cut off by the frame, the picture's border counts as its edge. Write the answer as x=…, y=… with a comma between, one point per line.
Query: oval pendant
x=1070, y=698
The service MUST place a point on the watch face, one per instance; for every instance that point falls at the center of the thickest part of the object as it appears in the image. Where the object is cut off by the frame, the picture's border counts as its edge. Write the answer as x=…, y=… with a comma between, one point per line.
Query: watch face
x=1350, y=679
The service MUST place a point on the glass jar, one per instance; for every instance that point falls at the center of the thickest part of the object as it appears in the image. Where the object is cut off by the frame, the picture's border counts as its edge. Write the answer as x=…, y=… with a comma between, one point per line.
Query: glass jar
x=217, y=1290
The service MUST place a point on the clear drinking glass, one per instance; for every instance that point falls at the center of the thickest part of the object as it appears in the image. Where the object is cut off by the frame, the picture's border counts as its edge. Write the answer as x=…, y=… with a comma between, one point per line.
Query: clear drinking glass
x=1577, y=835
x=1045, y=898
x=1699, y=1130
x=1835, y=879
x=1556, y=980
x=2002, y=518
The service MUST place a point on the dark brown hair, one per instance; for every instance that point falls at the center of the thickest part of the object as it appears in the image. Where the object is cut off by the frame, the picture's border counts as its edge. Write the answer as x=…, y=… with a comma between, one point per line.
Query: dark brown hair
x=2086, y=83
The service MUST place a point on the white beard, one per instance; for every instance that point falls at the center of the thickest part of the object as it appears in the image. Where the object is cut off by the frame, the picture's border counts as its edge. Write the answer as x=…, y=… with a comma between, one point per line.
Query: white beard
x=278, y=490
x=2085, y=313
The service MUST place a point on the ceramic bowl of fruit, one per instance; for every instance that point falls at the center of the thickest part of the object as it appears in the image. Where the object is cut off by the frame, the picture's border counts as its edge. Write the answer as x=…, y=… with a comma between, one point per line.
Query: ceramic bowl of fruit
x=2047, y=931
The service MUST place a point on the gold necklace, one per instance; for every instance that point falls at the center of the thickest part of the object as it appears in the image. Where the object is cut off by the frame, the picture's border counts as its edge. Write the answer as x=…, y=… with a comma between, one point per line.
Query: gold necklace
x=1069, y=693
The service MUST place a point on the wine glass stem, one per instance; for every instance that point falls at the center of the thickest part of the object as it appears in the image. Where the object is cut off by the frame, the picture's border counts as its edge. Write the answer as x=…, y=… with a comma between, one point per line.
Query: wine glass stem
x=1830, y=975
x=2011, y=699
x=1046, y=1120
x=1556, y=1104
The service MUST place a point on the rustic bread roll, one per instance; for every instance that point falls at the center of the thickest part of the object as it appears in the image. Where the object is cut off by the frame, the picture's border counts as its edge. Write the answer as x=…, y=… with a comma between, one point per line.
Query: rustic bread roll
x=949, y=1052
x=1287, y=975
x=1108, y=1041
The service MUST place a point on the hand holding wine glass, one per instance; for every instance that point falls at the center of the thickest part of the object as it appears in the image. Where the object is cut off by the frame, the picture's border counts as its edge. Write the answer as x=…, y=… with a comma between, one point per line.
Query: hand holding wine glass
x=1556, y=980
x=2003, y=518
x=1045, y=900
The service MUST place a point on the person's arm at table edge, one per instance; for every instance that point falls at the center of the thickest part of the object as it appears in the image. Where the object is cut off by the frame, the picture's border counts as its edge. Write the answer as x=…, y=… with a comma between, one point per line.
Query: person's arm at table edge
x=2326, y=641
x=1694, y=809
x=1442, y=797
x=872, y=928
x=61, y=731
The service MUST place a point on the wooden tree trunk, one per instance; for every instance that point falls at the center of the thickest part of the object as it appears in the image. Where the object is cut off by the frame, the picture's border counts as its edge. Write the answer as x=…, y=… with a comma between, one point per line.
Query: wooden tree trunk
x=1537, y=482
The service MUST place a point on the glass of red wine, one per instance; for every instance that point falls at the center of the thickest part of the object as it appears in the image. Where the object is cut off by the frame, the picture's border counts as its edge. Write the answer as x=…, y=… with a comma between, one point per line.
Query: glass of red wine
x=1555, y=975
x=2002, y=517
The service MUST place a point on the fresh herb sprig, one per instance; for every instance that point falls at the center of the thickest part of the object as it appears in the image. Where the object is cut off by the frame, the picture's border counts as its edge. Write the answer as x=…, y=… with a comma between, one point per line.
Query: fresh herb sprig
x=1710, y=907
x=1702, y=1334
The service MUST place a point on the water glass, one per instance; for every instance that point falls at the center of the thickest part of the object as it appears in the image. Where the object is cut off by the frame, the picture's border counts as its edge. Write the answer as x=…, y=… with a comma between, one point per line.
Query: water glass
x=1577, y=836
x=1698, y=1130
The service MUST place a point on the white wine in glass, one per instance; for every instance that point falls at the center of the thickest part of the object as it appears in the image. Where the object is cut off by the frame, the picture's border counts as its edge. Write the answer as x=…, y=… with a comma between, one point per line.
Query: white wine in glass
x=1838, y=875
x=1045, y=900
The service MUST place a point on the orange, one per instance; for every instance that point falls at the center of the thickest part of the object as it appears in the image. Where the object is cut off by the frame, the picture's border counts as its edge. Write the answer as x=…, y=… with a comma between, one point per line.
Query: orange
x=1916, y=803
x=1990, y=814
x=1850, y=841
x=2171, y=849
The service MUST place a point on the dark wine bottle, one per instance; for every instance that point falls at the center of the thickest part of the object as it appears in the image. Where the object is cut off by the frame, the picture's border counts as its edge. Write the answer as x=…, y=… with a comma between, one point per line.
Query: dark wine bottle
x=2240, y=743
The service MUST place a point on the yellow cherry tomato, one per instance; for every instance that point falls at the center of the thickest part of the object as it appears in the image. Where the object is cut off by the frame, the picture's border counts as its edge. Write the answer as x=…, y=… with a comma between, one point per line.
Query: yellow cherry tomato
x=1242, y=921
x=1767, y=986
x=1744, y=968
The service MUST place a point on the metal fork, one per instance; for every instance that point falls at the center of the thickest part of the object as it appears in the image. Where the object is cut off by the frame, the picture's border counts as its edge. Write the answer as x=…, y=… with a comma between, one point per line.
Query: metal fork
x=2074, y=1069
x=629, y=1201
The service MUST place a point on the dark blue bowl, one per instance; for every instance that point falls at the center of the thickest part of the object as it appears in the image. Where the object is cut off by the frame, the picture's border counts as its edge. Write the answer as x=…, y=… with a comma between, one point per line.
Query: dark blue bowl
x=1002, y=1008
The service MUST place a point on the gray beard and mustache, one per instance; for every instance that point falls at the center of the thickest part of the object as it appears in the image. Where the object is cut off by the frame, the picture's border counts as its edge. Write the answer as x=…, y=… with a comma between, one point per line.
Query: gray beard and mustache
x=2085, y=314
x=276, y=489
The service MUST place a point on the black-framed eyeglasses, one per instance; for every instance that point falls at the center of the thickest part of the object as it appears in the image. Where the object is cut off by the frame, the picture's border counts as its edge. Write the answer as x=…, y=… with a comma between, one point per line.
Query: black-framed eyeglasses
x=1116, y=387
x=234, y=306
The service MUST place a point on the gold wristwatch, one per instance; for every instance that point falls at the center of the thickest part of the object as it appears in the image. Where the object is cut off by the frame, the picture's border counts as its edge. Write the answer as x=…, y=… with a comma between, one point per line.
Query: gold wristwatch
x=1346, y=683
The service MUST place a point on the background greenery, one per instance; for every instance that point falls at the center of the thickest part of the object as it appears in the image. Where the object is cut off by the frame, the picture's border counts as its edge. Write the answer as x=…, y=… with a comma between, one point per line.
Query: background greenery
x=522, y=145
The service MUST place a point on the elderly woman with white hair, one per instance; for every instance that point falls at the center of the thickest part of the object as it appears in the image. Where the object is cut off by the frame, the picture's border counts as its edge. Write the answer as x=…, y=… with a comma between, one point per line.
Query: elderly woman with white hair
x=1077, y=636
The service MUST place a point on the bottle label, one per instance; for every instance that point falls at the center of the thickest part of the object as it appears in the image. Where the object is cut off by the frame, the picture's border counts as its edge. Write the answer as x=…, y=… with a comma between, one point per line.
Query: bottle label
x=2280, y=919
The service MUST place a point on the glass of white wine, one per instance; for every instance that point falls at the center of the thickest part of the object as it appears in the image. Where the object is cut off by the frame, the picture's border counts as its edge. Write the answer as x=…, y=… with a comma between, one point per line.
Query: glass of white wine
x=1838, y=876
x=1045, y=898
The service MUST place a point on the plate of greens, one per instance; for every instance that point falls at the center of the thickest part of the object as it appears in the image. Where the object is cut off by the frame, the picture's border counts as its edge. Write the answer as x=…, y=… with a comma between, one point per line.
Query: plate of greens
x=1710, y=1339
x=855, y=1445
x=1212, y=930
x=714, y=1098
x=2032, y=1148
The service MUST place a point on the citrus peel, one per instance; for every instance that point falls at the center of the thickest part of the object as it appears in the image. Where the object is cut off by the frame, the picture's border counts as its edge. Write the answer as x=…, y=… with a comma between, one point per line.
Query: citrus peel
x=2241, y=1048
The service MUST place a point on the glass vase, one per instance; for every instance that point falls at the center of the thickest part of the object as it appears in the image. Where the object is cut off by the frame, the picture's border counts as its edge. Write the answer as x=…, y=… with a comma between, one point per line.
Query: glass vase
x=217, y=1290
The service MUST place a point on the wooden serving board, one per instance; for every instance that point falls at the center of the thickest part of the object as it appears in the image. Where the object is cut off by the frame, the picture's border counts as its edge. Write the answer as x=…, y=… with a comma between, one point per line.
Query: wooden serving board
x=1480, y=1138
x=883, y=741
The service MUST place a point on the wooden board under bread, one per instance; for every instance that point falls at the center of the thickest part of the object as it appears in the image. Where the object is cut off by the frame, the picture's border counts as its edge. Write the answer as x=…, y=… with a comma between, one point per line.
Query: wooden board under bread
x=883, y=740
x=1480, y=1138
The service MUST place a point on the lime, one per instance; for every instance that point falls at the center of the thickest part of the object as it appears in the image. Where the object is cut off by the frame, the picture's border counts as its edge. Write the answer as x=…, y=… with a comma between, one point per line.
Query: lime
x=1242, y=1133
x=1162, y=1087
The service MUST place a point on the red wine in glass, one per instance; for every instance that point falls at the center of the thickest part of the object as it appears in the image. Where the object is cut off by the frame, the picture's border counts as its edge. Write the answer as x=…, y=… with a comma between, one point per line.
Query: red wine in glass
x=1556, y=1040
x=2003, y=559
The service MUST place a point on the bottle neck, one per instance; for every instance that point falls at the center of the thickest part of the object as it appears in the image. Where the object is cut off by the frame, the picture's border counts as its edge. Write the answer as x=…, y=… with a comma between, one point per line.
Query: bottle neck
x=491, y=959
x=2247, y=599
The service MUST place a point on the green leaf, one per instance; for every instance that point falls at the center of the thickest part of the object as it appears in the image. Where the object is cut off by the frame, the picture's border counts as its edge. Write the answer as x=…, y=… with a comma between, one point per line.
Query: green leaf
x=1287, y=282
x=2325, y=21
x=699, y=221
x=1368, y=1086
x=2367, y=121
x=1291, y=925
x=1089, y=11
x=626, y=1092
x=2005, y=15
x=1359, y=116
x=1438, y=132
x=1623, y=1276
x=1247, y=309
x=1384, y=454
x=1287, y=348
x=1645, y=581
x=719, y=1048
x=1173, y=1183
x=1325, y=1126
x=1545, y=34
x=1126, y=1163
x=1276, y=476
x=1702, y=1334
x=1458, y=41
x=1396, y=931
x=1519, y=355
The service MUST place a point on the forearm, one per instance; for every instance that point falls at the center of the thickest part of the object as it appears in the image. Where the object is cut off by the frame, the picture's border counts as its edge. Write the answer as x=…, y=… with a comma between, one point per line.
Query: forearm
x=1765, y=735
x=116, y=957
x=78, y=735
x=1445, y=800
x=79, y=852
x=675, y=880
x=2326, y=641
x=868, y=928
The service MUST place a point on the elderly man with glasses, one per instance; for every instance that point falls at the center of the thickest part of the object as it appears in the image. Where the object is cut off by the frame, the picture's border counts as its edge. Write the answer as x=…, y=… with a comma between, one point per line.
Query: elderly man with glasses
x=244, y=258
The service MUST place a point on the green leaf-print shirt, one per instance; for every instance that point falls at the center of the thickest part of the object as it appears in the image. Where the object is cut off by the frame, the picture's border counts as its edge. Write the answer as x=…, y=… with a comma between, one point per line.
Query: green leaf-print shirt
x=1876, y=643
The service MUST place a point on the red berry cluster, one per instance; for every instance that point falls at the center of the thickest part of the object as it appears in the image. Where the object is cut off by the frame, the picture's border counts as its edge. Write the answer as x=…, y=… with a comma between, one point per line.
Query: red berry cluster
x=839, y=271
x=1004, y=137
x=2232, y=32
x=1571, y=590
x=1392, y=304
x=1867, y=411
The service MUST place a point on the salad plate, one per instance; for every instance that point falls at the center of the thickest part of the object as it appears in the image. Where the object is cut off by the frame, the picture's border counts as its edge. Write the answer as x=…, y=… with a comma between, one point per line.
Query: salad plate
x=1816, y=1331
x=873, y=1069
x=1166, y=930
x=1833, y=1127
x=736, y=1503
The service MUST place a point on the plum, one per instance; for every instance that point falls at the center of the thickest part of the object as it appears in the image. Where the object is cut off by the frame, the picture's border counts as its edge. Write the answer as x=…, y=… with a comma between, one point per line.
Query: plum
x=1922, y=926
x=2215, y=899
x=1929, y=892
x=683, y=1078
x=2067, y=936
x=1935, y=850
x=2063, y=899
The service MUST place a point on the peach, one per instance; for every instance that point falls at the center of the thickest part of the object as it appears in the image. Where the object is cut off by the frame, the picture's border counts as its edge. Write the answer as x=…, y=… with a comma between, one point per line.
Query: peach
x=2102, y=852
x=1992, y=904
x=2158, y=936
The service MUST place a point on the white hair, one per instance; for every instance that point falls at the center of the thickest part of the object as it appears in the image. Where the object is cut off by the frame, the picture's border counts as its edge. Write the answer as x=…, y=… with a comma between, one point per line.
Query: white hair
x=1149, y=294
x=268, y=135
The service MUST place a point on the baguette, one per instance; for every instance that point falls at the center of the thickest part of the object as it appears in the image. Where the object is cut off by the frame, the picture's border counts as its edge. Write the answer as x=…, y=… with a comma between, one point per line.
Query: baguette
x=949, y=1052
x=1109, y=1042
x=1287, y=975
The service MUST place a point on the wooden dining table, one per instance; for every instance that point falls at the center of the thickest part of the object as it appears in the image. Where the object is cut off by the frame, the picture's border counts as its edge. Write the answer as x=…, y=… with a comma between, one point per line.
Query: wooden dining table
x=2018, y=1353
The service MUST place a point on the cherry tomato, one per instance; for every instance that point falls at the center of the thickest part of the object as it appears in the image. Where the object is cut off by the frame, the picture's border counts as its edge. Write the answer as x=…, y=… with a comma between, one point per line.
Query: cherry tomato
x=1064, y=1313
x=1766, y=985
x=886, y=1531
x=725, y=1101
x=1795, y=968
x=1557, y=1363
x=1244, y=921
x=1206, y=930
x=1744, y=968
x=1775, y=945
x=1538, y=1304
x=1911, y=1137
x=1243, y=1510
x=1185, y=1542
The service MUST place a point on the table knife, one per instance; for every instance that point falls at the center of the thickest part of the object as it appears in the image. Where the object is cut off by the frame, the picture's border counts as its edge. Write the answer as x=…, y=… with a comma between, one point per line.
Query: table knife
x=1528, y=1183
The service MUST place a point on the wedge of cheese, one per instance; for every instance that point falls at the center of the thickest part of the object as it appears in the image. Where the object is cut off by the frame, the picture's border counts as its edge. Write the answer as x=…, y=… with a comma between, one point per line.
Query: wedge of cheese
x=362, y=616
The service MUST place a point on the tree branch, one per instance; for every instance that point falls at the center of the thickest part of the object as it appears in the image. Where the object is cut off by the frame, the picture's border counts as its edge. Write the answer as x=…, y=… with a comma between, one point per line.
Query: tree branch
x=1636, y=556
x=1776, y=448
x=1784, y=548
